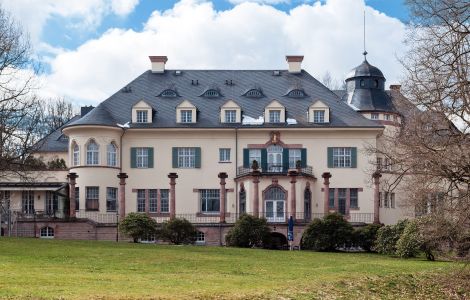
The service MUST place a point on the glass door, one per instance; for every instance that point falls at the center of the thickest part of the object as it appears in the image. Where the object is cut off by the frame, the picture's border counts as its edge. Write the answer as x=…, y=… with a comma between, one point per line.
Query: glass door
x=275, y=211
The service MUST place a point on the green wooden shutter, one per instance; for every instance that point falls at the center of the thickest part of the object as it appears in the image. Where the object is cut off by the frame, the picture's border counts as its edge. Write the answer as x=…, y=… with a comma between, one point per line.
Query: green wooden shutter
x=353, y=157
x=174, y=159
x=330, y=157
x=285, y=159
x=198, y=157
x=264, y=159
x=303, y=157
x=133, y=157
x=150, y=154
x=246, y=158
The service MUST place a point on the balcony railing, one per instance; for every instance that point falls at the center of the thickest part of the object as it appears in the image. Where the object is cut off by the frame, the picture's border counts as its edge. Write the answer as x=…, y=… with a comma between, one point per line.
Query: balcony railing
x=103, y=218
x=38, y=214
x=275, y=169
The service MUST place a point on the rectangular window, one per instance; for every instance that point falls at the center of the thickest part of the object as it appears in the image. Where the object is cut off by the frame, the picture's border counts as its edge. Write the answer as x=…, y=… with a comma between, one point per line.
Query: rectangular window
x=331, y=198
x=255, y=154
x=186, y=157
x=77, y=198
x=274, y=116
x=342, y=201
x=52, y=203
x=318, y=116
x=142, y=116
x=92, y=195
x=76, y=155
x=153, y=201
x=230, y=116
x=386, y=197
x=186, y=116
x=387, y=117
x=210, y=200
x=374, y=116
x=140, y=200
x=142, y=157
x=165, y=201
x=353, y=198
x=224, y=154
x=112, y=155
x=28, y=202
x=342, y=157
x=111, y=199
x=392, y=200
x=294, y=156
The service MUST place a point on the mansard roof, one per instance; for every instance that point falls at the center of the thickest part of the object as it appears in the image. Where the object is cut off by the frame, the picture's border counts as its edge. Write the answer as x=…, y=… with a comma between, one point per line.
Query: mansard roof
x=55, y=141
x=192, y=83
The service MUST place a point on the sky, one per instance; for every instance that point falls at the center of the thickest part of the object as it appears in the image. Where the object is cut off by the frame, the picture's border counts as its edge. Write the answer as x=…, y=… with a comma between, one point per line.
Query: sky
x=89, y=49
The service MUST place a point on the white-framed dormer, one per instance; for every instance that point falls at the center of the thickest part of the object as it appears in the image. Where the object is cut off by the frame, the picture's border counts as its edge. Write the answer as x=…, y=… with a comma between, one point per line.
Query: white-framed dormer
x=142, y=112
x=230, y=112
x=275, y=112
x=186, y=113
x=319, y=113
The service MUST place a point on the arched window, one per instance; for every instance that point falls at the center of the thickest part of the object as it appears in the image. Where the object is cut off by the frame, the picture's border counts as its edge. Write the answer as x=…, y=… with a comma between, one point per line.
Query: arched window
x=169, y=93
x=296, y=93
x=307, y=204
x=47, y=232
x=275, y=204
x=75, y=154
x=92, y=153
x=112, y=155
x=254, y=93
x=242, y=201
x=211, y=93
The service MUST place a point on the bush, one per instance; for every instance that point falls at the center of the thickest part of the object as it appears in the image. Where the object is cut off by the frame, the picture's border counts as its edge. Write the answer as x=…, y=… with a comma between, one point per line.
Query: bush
x=409, y=243
x=388, y=236
x=249, y=232
x=365, y=237
x=327, y=234
x=178, y=231
x=138, y=226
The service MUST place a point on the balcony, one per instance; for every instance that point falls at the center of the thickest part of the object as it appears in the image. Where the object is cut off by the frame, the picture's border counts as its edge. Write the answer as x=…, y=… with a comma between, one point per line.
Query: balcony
x=37, y=214
x=275, y=169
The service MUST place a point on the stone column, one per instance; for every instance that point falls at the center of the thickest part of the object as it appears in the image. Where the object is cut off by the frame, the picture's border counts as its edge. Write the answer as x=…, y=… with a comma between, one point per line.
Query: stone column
x=293, y=205
x=72, y=182
x=376, y=176
x=326, y=189
x=122, y=194
x=172, y=177
x=256, y=174
x=222, y=176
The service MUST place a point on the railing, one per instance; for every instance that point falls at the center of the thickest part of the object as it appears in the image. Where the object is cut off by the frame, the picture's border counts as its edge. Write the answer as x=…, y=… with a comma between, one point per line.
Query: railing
x=275, y=169
x=104, y=218
x=38, y=214
x=361, y=217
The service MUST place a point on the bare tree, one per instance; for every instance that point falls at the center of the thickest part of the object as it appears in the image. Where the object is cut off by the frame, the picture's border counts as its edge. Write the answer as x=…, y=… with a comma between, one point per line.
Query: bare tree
x=332, y=83
x=57, y=112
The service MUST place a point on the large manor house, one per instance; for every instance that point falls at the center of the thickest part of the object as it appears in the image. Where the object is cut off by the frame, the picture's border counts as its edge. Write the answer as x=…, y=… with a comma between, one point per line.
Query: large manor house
x=211, y=145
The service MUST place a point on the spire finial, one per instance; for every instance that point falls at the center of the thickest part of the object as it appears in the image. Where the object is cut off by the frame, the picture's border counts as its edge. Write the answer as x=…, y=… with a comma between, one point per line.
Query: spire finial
x=365, y=52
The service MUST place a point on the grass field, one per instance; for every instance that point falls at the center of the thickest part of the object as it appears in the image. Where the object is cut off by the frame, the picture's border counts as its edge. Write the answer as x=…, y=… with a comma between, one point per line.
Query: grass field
x=53, y=269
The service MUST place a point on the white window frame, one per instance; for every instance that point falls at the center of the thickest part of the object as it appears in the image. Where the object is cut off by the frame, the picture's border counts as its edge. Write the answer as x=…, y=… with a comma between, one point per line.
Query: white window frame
x=254, y=154
x=230, y=116
x=374, y=116
x=318, y=116
x=112, y=155
x=342, y=157
x=186, y=116
x=294, y=156
x=164, y=200
x=351, y=197
x=200, y=238
x=75, y=154
x=142, y=116
x=92, y=193
x=141, y=200
x=111, y=196
x=92, y=153
x=224, y=154
x=153, y=200
x=187, y=157
x=274, y=116
x=142, y=157
x=206, y=196
x=47, y=232
x=387, y=117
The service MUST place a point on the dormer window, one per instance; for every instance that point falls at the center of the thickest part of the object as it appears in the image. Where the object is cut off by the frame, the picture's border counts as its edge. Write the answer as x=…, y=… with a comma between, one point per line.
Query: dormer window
x=274, y=116
x=186, y=112
x=186, y=116
x=230, y=116
x=169, y=93
x=318, y=116
x=230, y=112
x=254, y=93
x=211, y=93
x=296, y=93
x=275, y=112
x=142, y=116
x=319, y=113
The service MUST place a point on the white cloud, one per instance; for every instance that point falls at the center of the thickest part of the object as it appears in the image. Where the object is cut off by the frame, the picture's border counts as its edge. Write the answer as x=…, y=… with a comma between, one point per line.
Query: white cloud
x=248, y=36
x=260, y=1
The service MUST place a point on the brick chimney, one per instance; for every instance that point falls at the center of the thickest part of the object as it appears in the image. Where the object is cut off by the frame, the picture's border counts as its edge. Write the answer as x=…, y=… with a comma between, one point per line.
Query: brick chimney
x=295, y=63
x=158, y=63
x=395, y=87
x=85, y=109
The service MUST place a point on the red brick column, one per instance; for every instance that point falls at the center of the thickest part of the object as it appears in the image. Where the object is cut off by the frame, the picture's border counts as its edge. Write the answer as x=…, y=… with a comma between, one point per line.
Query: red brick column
x=122, y=194
x=293, y=179
x=72, y=182
x=376, y=176
x=348, y=202
x=326, y=189
x=256, y=174
x=172, y=177
x=222, y=176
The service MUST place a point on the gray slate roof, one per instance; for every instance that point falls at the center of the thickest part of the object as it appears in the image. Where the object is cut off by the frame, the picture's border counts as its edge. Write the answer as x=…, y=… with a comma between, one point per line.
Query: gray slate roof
x=365, y=69
x=55, y=141
x=147, y=87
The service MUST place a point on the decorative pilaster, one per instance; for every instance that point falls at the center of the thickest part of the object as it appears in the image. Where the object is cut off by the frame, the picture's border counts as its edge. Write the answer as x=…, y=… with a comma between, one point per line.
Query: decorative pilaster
x=222, y=176
x=72, y=182
x=348, y=202
x=122, y=194
x=256, y=174
x=376, y=176
x=147, y=201
x=172, y=177
x=293, y=179
x=326, y=189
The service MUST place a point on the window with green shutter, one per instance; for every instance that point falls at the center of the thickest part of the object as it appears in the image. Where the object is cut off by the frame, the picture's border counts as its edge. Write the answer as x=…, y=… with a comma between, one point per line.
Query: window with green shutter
x=186, y=157
x=342, y=157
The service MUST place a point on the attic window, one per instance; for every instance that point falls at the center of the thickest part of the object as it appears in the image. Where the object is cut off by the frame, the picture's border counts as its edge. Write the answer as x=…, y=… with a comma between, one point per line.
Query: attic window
x=296, y=93
x=254, y=93
x=211, y=94
x=169, y=93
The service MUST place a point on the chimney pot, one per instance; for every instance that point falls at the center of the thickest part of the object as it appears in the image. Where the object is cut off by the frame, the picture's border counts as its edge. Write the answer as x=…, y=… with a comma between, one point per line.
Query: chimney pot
x=395, y=87
x=158, y=63
x=295, y=63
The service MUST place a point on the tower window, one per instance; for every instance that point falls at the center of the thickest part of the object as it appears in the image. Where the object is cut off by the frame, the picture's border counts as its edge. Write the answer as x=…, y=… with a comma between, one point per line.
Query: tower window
x=362, y=83
x=376, y=83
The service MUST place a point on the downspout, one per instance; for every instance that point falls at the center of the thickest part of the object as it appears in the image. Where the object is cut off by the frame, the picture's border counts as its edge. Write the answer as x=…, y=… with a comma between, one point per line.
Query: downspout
x=236, y=168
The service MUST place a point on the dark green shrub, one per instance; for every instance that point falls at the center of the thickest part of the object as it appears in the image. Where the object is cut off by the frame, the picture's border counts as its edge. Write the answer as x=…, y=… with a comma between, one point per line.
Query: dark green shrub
x=178, y=231
x=138, y=226
x=387, y=238
x=327, y=234
x=249, y=232
x=365, y=237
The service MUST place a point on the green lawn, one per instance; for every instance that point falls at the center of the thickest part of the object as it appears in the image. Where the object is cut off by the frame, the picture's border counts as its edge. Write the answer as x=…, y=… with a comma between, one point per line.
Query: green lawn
x=36, y=269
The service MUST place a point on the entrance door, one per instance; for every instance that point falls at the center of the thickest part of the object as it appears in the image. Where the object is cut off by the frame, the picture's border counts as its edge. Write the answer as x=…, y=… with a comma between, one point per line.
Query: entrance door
x=274, y=158
x=275, y=205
